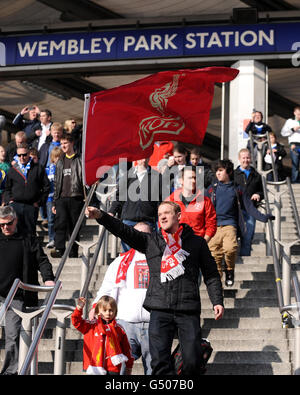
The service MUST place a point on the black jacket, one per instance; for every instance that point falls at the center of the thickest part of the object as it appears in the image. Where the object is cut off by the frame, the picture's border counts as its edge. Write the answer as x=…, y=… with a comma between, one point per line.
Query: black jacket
x=182, y=293
x=252, y=184
x=251, y=127
x=243, y=202
x=77, y=189
x=34, y=260
x=279, y=155
x=149, y=192
x=35, y=188
x=26, y=125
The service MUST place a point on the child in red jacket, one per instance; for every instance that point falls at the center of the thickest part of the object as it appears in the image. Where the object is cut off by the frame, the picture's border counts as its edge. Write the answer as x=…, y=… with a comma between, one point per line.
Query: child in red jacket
x=105, y=343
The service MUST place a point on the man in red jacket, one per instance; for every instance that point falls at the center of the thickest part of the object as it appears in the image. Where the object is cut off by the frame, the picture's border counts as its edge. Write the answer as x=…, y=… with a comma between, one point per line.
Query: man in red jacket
x=197, y=210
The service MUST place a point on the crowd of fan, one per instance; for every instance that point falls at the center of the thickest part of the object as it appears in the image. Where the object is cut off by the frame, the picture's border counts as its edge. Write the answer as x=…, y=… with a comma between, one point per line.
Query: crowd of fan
x=41, y=174
x=36, y=177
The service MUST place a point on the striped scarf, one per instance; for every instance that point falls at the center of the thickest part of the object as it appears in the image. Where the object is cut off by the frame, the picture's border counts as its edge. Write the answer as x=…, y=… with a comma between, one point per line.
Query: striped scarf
x=173, y=256
x=107, y=345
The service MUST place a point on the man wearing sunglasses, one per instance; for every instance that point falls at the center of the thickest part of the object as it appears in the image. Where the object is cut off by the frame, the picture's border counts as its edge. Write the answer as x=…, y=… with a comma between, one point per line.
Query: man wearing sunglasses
x=26, y=189
x=21, y=256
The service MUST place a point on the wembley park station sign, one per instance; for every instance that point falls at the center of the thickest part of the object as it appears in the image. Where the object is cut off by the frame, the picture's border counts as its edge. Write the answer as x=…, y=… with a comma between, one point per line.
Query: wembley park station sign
x=150, y=43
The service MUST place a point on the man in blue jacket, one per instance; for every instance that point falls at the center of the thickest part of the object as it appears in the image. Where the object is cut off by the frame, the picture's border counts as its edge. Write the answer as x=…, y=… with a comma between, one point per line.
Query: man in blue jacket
x=229, y=200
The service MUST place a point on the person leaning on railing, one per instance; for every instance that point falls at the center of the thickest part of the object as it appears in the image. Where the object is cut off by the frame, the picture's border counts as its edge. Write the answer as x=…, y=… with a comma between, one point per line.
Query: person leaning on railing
x=21, y=256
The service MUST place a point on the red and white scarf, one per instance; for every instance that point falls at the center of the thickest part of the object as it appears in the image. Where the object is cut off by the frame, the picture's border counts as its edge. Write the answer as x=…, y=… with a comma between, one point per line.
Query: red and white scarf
x=123, y=267
x=173, y=256
x=106, y=346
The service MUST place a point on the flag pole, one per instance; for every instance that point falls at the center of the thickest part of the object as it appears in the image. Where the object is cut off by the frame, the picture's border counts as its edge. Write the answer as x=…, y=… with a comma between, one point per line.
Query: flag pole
x=87, y=97
x=75, y=230
x=73, y=236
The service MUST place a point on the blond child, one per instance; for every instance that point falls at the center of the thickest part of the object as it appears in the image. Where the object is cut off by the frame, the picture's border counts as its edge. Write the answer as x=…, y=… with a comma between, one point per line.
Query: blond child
x=105, y=342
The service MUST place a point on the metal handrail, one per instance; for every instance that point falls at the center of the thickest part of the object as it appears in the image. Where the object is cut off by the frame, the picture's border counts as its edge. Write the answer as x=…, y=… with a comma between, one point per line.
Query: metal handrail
x=27, y=287
x=294, y=205
x=296, y=287
x=285, y=309
x=255, y=138
x=75, y=231
x=273, y=248
x=40, y=329
x=74, y=234
x=85, y=287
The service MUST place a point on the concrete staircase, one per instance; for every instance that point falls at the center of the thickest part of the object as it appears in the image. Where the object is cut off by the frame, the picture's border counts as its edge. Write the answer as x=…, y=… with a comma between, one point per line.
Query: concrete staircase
x=249, y=340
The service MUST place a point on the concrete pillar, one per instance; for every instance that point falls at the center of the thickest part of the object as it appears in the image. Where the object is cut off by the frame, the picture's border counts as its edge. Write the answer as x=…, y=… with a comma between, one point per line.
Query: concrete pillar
x=248, y=90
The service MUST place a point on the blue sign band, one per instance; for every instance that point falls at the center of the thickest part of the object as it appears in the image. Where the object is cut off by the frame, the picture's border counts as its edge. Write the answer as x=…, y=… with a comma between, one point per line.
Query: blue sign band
x=150, y=43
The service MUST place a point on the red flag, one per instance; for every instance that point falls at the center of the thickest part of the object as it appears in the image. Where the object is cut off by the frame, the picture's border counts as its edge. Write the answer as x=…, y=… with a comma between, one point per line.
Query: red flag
x=124, y=122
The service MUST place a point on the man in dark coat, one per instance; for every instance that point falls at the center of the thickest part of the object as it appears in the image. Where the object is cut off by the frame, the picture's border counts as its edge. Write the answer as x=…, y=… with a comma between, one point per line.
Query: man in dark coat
x=137, y=197
x=27, y=125
x=21, y=256
x=68, y=197
x=27, y=188
x=175, y=255
x=250, y=180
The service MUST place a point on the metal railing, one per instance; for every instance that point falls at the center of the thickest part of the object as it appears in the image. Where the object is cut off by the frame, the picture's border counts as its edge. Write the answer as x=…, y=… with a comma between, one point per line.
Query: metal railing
x=40, y=330
x=26, y=352
x=60, y=311
x=257, y=160
x=284, y=277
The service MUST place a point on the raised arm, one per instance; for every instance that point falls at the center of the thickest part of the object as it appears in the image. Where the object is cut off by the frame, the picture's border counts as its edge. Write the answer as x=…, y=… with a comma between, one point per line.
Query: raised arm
x=135, y=239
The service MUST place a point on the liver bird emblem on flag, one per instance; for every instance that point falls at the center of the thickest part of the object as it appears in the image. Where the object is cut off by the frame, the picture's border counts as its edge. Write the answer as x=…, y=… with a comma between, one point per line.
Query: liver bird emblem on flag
x=163, y=123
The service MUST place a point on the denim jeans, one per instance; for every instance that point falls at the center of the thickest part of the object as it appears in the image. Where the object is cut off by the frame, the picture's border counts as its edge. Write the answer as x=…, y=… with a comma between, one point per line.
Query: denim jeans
x=138, y=337
x=27, y=216
x=246, y=240
x=295, y=163
x=51, y=218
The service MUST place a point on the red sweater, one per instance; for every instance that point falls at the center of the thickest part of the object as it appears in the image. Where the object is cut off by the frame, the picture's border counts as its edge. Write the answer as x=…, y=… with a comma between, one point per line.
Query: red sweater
x=89, y=330
x=199, y=215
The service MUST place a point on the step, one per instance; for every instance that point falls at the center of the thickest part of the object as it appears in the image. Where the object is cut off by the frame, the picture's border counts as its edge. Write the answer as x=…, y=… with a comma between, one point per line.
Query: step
x=242, y=323
x=245, y=357
x=244, y=294
x=76, y=368
x=249, y=304
x=248, y=369
x=228, y=334
x=236, y=312
x=258, y=345
x=253, y=285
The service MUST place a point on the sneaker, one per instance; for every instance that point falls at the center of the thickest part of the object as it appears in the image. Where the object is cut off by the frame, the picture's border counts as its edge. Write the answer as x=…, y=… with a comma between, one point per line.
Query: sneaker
x=229, y=278
x=56, y=253
x=50, y=244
